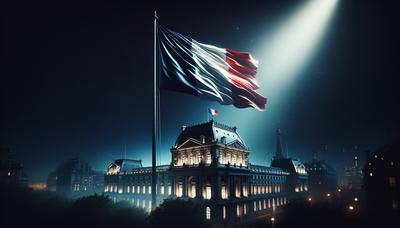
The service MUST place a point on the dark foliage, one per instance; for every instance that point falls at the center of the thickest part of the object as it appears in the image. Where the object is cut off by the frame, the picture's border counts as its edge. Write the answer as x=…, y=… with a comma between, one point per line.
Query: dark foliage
x=177, y=213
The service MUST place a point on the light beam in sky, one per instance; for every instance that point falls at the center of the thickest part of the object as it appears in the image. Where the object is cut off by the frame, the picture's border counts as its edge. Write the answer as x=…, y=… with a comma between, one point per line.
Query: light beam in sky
x=293, y=44
x=283, y=55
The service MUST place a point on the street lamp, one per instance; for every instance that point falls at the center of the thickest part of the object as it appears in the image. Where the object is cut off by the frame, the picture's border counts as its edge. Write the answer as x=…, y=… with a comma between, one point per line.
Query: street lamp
x=356, y=199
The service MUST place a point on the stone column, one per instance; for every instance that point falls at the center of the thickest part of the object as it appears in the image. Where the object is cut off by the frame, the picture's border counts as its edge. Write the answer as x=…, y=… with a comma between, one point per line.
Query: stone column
x=241, y=186
x=173, y=190
x=185, y=187
x=232, y=187
x=216, y=187
x=199, y=187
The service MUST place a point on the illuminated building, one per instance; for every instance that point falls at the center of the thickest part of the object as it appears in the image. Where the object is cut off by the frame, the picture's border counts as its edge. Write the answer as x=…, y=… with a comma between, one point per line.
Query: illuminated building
x=11, y=171
x=75, y=178
x=297, y=178
x=210, y=166
x=381, y=181
x=322, y=178
x=353, y=176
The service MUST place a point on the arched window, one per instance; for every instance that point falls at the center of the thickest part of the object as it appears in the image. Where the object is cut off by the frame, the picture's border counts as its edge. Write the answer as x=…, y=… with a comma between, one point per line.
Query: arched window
x=208, y=213
x=224, y=212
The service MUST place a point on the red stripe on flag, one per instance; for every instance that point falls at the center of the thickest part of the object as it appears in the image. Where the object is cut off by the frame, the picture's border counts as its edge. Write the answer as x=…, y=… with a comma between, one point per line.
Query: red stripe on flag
x=242, y=71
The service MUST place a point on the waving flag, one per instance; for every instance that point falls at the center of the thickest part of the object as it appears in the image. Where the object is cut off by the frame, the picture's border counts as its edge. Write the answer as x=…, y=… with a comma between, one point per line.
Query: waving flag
x=213, y=112
x=203, y=70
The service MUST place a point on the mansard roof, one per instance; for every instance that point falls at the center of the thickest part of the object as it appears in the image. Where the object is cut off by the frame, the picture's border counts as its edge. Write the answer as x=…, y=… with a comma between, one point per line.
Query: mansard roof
x=212, y=132
x=287, y=164
x=128, y=164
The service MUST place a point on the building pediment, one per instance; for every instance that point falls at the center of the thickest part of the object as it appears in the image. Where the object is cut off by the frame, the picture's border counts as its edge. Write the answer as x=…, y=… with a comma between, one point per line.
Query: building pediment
x=236, y=144
x=189, y=143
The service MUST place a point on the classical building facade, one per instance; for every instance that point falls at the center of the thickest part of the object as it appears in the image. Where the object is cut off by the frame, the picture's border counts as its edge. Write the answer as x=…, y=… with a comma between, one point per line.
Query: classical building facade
x=75, y=178
x=210, y=166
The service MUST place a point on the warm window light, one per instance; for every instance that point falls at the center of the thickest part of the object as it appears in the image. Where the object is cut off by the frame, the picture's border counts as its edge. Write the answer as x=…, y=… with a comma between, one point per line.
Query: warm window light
x=356, y=199
x=272, y=219
x=208, y=213
x=339, y=190
x=351, y=208
x=328, y=194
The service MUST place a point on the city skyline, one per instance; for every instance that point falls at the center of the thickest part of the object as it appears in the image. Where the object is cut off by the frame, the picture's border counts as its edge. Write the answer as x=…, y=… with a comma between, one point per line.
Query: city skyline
x=78, y=82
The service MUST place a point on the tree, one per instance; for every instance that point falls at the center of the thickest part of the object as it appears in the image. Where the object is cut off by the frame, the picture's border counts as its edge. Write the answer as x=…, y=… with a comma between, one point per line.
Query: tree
x=177, y=213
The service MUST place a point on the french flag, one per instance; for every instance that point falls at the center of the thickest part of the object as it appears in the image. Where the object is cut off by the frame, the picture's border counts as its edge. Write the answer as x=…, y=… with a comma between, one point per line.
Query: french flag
x=213, y=112
x=210, y=72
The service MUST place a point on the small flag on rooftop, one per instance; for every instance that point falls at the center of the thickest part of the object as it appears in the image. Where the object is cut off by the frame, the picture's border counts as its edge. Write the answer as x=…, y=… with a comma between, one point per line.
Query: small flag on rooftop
x=213, y=112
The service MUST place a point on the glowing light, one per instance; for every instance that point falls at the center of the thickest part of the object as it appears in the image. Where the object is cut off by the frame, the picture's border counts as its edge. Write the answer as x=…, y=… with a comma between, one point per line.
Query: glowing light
x=272, y=219
x=351, y=208
x=356, y=199
x=339, y=190
x=328, y=194
x=309, y=199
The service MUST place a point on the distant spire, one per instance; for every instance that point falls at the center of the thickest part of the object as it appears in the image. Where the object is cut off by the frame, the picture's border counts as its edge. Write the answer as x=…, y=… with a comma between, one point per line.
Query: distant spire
x=287, y=150
x=278, y=153
x=315, y=155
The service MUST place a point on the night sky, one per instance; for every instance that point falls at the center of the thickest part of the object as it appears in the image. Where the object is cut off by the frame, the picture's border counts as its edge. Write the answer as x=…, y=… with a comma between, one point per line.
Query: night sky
x=76, y=80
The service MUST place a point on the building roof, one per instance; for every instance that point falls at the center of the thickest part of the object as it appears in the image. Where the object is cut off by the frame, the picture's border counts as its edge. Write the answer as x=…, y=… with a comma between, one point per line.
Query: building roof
x=210, y=132
x=290, y=165
x=123, y=165
x=319, y=165
x=266, y=169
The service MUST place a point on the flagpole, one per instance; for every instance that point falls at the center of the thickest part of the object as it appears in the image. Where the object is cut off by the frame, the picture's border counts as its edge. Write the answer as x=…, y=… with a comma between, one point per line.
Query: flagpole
x=155, y=125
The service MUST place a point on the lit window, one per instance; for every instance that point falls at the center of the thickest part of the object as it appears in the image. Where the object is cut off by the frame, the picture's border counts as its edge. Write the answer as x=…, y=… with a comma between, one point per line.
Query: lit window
x=265, y=204
x=180, y=190
x=162, y=189
x=144, y=204
x=237, y=210
x=245, y=191
x=128, y=189
x=133, y=189
x=395, y=204
x=192, y=191
x=208, y=192
x=149, y=189
x=392, y=182
x=120, y=190
x=138, y=189
x=169, y=189
x=269, y=203
x=370, y=174
x=237, y=190
x=149, y=207
x=255, y=206
x=259, y=205
x=208, y=213
x=224, y=212
x=224, y=192
x=245, y=209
